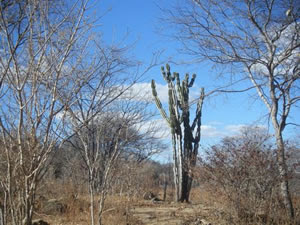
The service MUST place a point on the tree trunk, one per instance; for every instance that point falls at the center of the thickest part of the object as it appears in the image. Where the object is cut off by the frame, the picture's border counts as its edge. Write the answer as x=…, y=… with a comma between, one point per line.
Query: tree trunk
x=91, y=185
x=284, y=185
x=282, y=166
x=175, y=169
x=28, y=199
x=185, y=187
x=101, y=206
x=1, y=214
x=165, y=188
x=180, y=168
x=176, y=182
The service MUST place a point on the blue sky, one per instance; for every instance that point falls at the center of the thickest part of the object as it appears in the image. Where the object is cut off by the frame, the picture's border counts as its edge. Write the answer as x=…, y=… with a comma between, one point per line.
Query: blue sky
x=139, y=21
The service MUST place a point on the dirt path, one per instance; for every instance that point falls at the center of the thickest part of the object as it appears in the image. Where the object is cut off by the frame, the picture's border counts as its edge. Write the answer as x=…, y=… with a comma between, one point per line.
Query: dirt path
x=170, y=214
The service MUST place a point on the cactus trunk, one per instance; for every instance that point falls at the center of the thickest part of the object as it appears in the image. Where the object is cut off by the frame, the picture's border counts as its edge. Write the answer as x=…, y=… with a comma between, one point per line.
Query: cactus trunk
x=185, y=136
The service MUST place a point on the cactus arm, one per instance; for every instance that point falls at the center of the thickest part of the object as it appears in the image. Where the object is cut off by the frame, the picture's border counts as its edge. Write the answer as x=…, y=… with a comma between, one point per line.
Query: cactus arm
x=158, y=103
x=169, y=75
x=164, y=74
x=198, y=131
x=198, y=110
x=192, y=81
x=176, y=75
x=173, y=108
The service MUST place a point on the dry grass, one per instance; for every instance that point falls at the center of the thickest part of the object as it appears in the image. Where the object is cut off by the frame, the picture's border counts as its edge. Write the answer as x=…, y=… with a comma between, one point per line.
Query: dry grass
x=77, y=211
x=213, y=206
x=224, y=212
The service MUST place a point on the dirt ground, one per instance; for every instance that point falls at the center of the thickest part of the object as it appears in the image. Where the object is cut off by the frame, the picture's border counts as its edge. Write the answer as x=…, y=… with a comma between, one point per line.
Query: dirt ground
x=161, y=213
x=124, y=211
x=142, y=212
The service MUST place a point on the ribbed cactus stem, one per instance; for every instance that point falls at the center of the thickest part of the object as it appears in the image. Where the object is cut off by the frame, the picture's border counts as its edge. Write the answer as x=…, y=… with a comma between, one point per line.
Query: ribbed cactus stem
x=192, y=80
x=184, y=140
x=158, y=103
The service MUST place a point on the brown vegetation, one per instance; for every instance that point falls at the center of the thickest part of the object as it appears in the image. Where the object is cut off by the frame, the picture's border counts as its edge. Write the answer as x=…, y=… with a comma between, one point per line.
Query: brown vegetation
x=75, y=144
x=210, y=206
x=235, y=184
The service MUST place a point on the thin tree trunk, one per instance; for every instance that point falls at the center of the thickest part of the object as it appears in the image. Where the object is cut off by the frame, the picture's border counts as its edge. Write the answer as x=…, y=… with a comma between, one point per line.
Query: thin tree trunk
x=91, y=190
x=4, y=207
x=282, y=166
x=1, y=214
x=175, y=168
x=176, y=181
x=165, y=188
x=284, y=185
x=28, y=216
x=180, y=167
x=101, y=205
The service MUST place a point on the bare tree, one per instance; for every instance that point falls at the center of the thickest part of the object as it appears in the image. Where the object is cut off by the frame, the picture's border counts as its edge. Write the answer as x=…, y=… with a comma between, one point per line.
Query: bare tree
x=53, y=69
x=243, y=168
x=106, y=125
x=44, y=63
x=260, y=41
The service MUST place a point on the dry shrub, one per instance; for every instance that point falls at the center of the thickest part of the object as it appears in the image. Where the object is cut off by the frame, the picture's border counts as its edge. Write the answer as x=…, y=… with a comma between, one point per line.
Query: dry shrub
x=134, y=179
x=131, y=181
x=60, y=202
x=242, y=171
x=117, y=210
x=77, y=205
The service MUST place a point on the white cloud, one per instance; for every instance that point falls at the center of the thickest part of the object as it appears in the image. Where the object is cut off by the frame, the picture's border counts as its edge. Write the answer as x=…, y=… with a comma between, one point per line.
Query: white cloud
x=163, y=130
x=158, y=126
x=162, y=92
x=208, y=131
x=215, y=123
x=216, y=130
x=143, y=92
x=234, y=129
x=138, y=91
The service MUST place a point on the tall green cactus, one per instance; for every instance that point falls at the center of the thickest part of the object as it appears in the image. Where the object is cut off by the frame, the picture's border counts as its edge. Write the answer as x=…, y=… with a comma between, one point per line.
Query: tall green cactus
x=185, y=136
